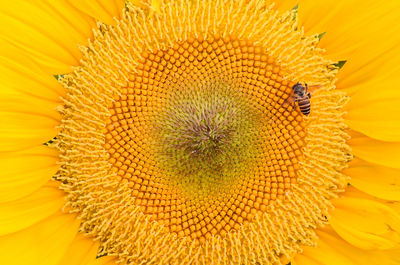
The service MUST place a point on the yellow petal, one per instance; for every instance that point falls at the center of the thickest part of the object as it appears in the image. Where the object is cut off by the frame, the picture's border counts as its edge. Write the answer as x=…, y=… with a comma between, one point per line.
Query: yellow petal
x=32, y=103
x=73, y=19
x=374, y=109
x=353, y=192
x=22, y=213
x=353, y=254
x=44, y=243
x=22, y=74
x=21, y=103
x=24, y=172
x=323, y=254
x=29, y=98
x=82, y=251
x=45, y=32
x=102, y=10
x=394, y=205
x=380, y=74
x=27, y=120
x=375, y=151
x=22, y=130
x=301, y=259
x=104, y=261
x=366, y=224
x=339, y=247
x=355, y=30
x=383, y=125
x=379, y=181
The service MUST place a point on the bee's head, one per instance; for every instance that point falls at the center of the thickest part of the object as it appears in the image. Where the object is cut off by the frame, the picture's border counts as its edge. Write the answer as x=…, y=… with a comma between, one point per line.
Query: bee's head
x=298, y=89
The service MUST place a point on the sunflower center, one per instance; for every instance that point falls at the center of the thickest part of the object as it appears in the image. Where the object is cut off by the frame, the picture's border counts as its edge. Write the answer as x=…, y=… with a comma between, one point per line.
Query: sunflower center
x=199, y=128
x=185, y=132
x=204, y=137
x=178, y=131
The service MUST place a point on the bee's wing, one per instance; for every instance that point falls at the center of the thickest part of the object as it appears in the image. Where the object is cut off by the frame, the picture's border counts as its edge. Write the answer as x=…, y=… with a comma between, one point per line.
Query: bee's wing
x=314, y=88
x=289, y=101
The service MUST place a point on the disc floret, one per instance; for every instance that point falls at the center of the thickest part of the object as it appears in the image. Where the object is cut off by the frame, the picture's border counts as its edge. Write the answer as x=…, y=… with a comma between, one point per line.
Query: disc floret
x=167, y=163
x=206, y=136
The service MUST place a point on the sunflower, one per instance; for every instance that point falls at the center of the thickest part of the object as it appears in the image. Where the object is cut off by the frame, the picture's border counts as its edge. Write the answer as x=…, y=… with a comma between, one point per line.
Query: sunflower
x=170, y=132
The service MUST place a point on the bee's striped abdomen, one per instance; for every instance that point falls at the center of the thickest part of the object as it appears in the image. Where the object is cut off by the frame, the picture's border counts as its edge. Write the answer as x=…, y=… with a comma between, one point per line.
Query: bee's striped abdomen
x=304, y=105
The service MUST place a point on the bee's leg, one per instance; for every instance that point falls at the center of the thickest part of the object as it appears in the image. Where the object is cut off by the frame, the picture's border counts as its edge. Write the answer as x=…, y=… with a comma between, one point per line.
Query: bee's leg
x=309, y=95
x=294, y=99
x=286, y=102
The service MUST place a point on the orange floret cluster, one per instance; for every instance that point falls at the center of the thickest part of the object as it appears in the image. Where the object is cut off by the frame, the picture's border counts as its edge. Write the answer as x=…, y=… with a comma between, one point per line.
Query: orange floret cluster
x=281, y=132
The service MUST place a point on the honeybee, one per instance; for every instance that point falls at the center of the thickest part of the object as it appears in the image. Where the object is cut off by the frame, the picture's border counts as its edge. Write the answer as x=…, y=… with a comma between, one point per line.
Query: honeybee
x=302, y=97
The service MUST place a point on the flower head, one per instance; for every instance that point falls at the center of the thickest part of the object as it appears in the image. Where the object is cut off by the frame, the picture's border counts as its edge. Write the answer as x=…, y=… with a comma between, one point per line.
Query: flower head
x=184, y=138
